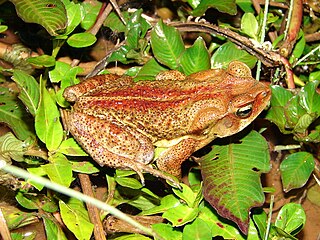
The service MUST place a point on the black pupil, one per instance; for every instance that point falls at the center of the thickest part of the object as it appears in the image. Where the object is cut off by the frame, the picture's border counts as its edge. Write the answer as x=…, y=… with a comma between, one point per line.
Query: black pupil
x=244, y=112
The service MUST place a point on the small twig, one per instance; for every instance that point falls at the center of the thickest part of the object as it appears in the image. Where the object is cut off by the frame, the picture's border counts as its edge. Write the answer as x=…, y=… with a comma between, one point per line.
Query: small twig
x=274, y=4
x=269, y=58
x=94, y=30
x=266, y=236
x=113, y=224
x=312, y=37
x=116, y=7
x=279, y=148
x=317, y=179
x=306, y=56
x=290, y=79
x=104, y=62
x=102, y=17
x=256, y=5
x=94, y=215
x=263, y=35
x=4, y=230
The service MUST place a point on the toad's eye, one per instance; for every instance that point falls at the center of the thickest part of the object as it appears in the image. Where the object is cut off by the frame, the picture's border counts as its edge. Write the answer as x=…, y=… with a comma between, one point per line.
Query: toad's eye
x=244, y=112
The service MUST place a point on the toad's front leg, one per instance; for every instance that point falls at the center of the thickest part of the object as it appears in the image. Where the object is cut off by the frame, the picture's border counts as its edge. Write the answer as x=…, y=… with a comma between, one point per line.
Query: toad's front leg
x=170, y=160
x=114, y=144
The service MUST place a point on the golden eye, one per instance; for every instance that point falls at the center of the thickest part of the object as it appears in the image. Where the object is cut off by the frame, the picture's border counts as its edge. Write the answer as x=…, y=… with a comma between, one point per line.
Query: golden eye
x=245, y=111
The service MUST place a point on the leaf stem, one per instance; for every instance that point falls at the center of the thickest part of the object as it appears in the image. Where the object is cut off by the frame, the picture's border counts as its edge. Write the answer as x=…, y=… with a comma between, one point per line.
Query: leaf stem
x=306, y=56
x=72, y=193
x=263, y=34
x=279, y=148
x=266, y=236
x=289, y=19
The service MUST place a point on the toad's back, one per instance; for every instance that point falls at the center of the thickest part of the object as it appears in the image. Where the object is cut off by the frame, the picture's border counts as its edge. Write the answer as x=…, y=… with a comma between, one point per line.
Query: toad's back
x=168, y=108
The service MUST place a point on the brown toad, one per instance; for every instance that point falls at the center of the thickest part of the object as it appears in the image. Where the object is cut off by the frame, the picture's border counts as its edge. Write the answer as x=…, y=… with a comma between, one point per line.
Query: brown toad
x=119, y=122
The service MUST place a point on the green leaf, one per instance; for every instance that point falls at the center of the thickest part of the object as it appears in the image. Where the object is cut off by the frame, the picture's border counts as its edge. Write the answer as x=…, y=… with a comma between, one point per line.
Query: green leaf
x=136, y=29
x=249, y=25
x=309, y=98
x=279, y=99
x=27, y=200
x=120, y=55
x=229, y=52
x=142, y=199
x=74, y=17
x=75, y=217
x=313, y=195
x=84, y=167
x=29, y=90
x=38, y=171
x=219, y=226
x=132, y=237
x=303, y=123
x=167, y=202
x=278, y=233
x=3, y=28
x=231, y=177
x=80, y=40
x=198, y=229
x=167, y=231
x=90, y=11
x=11, y=147
x=42, y=61
x=298, y=49
x=15, y=218
x=291, y=218
x=314, y=135
x=188, y=195
x=59, y=72
x=59, y=170
x=17, y=236
x=196, y=58
x=180, y=215
x=150, y=70
x=167, y=45
x=260, y=219
x=293, y=112
x=129, y=182
x=245, y=5
x=47, y=120
x=50, y=14
x=13, y=113
x=65, y=74
x=296, y=170
x=194, y=178
x=280, y=96
x=227, y=6
x=193, y=3
x=48, y=204
x=114, y=23
x=53, y=230
x=36, y=201
x=315, y=75
x=71, y=148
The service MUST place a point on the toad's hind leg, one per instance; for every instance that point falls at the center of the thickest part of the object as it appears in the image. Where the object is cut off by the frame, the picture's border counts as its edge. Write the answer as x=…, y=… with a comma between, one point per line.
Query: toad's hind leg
x=114, y=144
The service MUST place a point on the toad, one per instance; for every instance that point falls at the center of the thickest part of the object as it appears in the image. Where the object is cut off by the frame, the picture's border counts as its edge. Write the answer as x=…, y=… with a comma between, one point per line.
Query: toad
x=119, y=122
